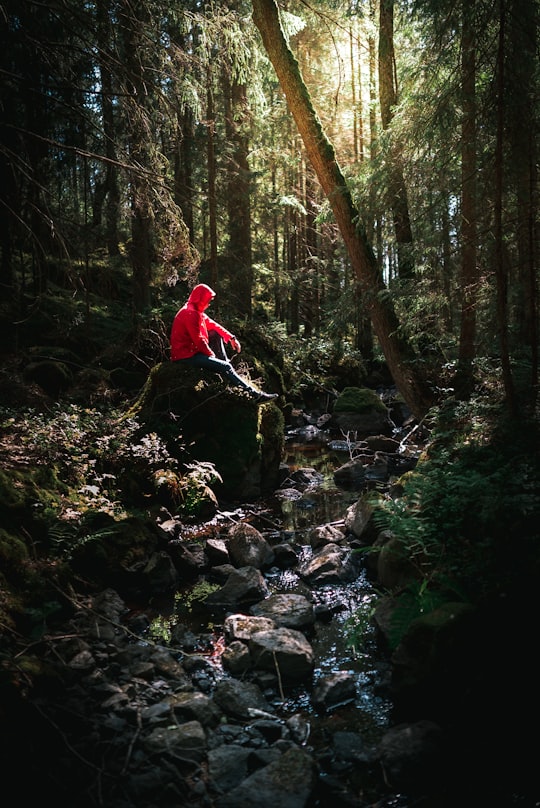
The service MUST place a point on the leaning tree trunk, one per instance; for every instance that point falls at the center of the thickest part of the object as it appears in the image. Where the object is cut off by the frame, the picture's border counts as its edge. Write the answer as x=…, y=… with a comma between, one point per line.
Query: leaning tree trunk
x=397, y=351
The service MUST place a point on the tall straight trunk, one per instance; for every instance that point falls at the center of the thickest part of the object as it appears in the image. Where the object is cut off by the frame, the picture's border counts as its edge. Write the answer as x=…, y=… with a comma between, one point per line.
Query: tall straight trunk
x=397, y=191
x=183, y=170
x=522, y=131
x=397, y=350
x=239, y=195
x=469, y=271
x=110, y=190
x=500, y=267
x=136, y=98
x=211, y=169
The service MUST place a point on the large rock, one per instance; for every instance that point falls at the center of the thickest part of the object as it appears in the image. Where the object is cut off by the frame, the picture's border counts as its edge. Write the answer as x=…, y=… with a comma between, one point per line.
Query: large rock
x=283, y=651
x=243, y=439
x=287, y=610
x=247, y=547
x=242, y=588
x=288, y=782
x=331, y=565
x=359, y=412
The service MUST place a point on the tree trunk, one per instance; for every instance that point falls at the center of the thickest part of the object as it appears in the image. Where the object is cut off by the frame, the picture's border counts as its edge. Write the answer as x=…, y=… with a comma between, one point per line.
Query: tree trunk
x=398, y=352
x=212, y=173
x=397, y=191
x=500, y=269
x=239, y=194
x=469, y=272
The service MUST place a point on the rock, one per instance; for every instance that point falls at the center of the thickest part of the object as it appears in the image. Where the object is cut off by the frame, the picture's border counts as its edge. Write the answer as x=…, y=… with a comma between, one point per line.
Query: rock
x=333, y=690
x=332, y=564
x=195, y=706
x=236, y=699
x=228, y=766
x=412, y=756
x=248, y=548
x=325, y=534
x=288, y=610
x=242, y=626
x=243, y=587
x=186, y=742
x=236, y=658
x=283, y=650
x=288, y=782
x=358, y=520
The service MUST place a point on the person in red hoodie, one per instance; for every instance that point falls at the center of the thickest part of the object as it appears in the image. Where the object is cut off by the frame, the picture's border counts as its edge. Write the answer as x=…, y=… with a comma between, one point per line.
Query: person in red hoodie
x=195, y=338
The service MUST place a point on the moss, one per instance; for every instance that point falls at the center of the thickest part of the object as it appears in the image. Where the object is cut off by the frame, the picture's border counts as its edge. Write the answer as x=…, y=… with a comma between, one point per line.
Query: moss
x=29, y=496
x=358, y=399
x=13, y=549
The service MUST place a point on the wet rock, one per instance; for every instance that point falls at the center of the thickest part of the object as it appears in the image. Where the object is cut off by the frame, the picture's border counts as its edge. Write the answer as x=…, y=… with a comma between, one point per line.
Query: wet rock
x=247, y=547
x=325, y=534
x=358, y=520
x=243, y=587
x=217, y=553
x=332, y=564
x=283, y=650
x=160, y=575
x=287, y=609
x=239, y=699
x=336, y=689
x=285, y=557
x=351, y=474
x=236, y=658
x=242, y=626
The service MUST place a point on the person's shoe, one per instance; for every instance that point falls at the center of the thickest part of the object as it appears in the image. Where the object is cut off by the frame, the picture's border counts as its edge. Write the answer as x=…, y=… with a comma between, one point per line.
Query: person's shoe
x=259, y=397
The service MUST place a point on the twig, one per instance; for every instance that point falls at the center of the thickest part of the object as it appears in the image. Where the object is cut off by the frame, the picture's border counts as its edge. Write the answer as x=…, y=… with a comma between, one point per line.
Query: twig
x=278, y=676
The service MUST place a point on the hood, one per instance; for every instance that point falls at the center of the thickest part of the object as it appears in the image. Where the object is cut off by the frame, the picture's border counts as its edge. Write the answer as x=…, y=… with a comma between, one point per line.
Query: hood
x=200, y=296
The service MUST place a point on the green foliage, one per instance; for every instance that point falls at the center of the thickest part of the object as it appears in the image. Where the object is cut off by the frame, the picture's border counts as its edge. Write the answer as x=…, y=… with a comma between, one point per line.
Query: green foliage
x=87, y=449
x=470, y=502
x=190, y=490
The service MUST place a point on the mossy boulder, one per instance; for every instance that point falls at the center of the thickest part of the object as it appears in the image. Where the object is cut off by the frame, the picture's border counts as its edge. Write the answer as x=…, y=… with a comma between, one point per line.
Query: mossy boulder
x=201, y=419
x=359, y=410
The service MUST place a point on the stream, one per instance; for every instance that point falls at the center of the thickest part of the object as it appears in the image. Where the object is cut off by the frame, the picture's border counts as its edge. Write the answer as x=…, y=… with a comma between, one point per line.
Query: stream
x=350, y=604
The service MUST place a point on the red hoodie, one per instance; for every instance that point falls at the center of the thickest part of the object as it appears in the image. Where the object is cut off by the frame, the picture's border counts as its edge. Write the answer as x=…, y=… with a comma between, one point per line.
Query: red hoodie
x=189, y=333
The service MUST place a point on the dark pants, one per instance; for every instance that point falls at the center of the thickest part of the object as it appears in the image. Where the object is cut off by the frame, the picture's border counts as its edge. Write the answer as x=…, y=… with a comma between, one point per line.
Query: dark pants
x=218, y=363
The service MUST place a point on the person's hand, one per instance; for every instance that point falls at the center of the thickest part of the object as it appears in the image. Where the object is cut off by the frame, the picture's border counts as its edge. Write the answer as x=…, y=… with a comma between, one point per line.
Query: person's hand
x=235, y=345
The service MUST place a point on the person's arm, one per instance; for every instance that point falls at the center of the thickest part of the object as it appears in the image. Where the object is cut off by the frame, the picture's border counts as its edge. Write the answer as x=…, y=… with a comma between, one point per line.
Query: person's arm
x=212, y=325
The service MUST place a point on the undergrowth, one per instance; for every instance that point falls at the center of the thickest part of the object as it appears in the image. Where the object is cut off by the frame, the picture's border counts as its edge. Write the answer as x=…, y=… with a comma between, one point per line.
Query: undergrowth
x=468, y=513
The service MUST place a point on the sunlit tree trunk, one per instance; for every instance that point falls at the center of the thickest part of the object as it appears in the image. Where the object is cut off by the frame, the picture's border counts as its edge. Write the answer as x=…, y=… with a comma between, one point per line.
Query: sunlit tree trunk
x=398, y=352
x=110, y=190
x=397, y=191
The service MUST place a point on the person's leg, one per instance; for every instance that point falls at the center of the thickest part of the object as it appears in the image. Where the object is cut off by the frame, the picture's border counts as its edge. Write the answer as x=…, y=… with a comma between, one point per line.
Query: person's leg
x=221, y=366
x=217, y=344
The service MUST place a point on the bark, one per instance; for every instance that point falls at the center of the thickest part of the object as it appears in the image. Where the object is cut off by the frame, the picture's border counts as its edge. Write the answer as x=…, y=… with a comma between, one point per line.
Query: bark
x=398, y=353
x=500, y=268
x=239, y=194
x=397, y=192
x=469, y=272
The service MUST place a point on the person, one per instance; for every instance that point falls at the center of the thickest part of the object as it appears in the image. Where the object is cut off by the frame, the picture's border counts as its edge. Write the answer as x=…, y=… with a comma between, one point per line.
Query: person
x=196, y=339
